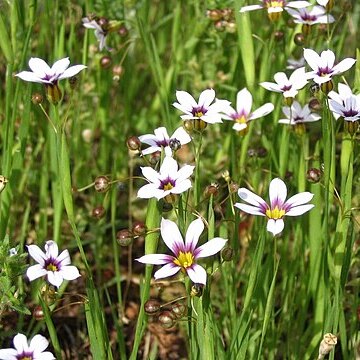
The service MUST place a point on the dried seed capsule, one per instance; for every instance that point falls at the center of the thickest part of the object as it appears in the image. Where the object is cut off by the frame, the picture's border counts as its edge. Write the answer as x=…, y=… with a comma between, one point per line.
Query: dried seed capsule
x=327, y=344
x=37, y=98
x=102, y=184
x=197, y=290
x=139, y=228
x=314, y=104
x=38, y=313
x=123, y=31
x=166, y=319
x=98, y=212
x=212, y=189
x=313, y=175
x=227, y=253
x=214, y=14
x=233, y=187
x=105, y=62
x=299, y=39
x=152, y=307
x=133, y=143
x=261, y=152
x=124, y=237
x=178, y=309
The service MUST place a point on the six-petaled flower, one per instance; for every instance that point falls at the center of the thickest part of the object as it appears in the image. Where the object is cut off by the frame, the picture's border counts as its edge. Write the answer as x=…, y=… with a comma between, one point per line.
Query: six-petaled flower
x=298, y=114
x=185, y=254
x=56, y=267
x=316, y=15
x=100, y=32
x=242, y=115
x=279, y=206
x=24, y=350
x=169, y=180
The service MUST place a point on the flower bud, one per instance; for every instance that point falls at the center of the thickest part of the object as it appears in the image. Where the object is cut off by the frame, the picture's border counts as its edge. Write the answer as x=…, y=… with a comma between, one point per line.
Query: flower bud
x=98, y=212
x=199, y=124
x=37, y=98
x=313, y=175
x=233, y=187
x=105, y=62
x=327, y=87
x=226, y=176
x=315, y=105
x=197, y=290
x=306, y=29
x=327, y=344
x=133, y=143
x=166, y=319
x=38, y=313
x=3, y=182
x=152, y=307
x=299, y=39
x=124, y=237
x=102, y=184
x=178, y=309
x=139, y=228
x=174, y=144
x=227, y=253
x=171, y=198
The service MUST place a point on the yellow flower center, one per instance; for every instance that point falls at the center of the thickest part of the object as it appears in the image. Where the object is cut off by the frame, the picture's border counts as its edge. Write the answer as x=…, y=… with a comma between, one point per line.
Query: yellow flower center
x=167, y=186
x=26, y=358
x=51, y=267
x=198, y=114
x=275, y=213
x=184, y=260
x=271, y=4
x=241, y=120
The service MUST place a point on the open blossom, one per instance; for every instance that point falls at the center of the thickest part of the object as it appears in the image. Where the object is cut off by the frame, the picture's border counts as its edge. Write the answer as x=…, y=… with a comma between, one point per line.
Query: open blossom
x=161, y=140
x=100, y=33
x=345, y=104
x=298, y=114
x=169, y=180
x=323, y=68
x=276, y=6
x=41, y=72
x=205, y=109
x=287, y=86
x=242, y=115
x=185, y=254
x=317, y=15
x=23, y=350
x=56, y=267
x=293, y=64
x=279, y=206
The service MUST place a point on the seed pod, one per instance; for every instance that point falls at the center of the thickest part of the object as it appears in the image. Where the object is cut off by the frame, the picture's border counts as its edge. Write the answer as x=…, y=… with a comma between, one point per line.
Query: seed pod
x=124, y=237
x=233, y=187
x=73, y=81
x=227, y=253
x=38, y=313
x=105, y=62
x=212, y=189
x=133, y=143
x=327, y=87
x=299, y=39
x=178, y=309
x=174, y=144
x=279, y=35
x=102, y=184
x=314, y=104
x=313, y=175
x=123, y=31
x=104, y=23
x=351, y=127
x=166, y=319
x=53, y=93
x=98, y=212
x=37, y=98
x=152, y=307
x=139, y=228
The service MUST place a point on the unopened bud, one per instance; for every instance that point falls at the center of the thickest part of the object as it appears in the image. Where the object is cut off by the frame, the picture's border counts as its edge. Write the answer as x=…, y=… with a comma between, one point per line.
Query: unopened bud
x=274, y=16
x=152, y=307
x=174, y=144
x=139, y=228
x=98, y=212
x=230, y=27
x=37, y=98
x=313, y=175
x=102, y=184
x=226, y=176
x=327, y=344
x=227, y=253
x=117, y=70
x=220, y=25
x=197, y=290
x=53, y=93
x=166, y=319
x=124, y=237
x=133, y=143
x=299, y=39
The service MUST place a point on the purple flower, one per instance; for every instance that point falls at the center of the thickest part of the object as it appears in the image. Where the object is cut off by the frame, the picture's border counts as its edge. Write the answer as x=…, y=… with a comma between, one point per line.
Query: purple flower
x=185, y=253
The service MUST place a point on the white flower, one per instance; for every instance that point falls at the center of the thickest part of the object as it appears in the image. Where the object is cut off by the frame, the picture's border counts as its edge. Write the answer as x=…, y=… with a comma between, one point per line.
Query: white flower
x=275, y=6
x=161, y=140
x=345, y=103
x=323, y=68
x=56, y=267
x=297, y=114
x=27, y=351
x=293, y=64
x=185, y=253
x=42, y=73
x=242, y=115
x=100, y=33
x=169, y=180
x=317, y=15
x=13, y=252
x=278, y=207
x=287, y=86
x=203, y=109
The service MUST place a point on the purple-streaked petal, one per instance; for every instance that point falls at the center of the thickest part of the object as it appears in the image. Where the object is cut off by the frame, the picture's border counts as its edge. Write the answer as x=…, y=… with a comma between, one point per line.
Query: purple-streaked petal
x=251, y=198
x=299, y=199
x=37, y=254
x=244, y=102
x=156, y=259
x=171, y=235
x=55, y=278
x=70, y=272
x=210, y=248
x=39, y=67
x=72, y=71
x=312, y=58
x=38, y=344
x=161, y=133
x=151, y=150
x=8, y=354
x=197, y=274
x=166, y=271
x=193, y=233
x=299, y=210
x=275, y=226
x=327, y=59
x=343, y=65
x=277, y=192
x=218, y=106
x=51, y=249
x=271, y=86
x=35, y=271
x=262, y=111
x=149, y=139
x=253, y=210
x=250, y=8
x=30, y=76
x=206, y=98
x=20, y=343
x=185, y=101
